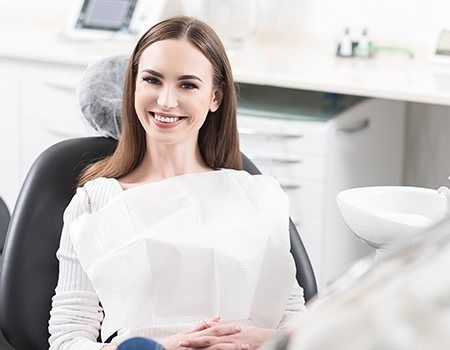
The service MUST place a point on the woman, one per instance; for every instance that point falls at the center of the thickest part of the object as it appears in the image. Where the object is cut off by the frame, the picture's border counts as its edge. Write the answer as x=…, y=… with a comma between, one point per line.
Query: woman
x=168, y=230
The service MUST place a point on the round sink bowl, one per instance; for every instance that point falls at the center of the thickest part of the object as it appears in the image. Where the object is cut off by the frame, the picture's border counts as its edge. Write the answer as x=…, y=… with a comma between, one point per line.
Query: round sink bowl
x=382, y=215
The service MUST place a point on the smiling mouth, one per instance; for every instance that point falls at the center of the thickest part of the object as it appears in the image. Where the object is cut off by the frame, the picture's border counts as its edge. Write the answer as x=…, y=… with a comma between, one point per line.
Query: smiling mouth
x=166, y=118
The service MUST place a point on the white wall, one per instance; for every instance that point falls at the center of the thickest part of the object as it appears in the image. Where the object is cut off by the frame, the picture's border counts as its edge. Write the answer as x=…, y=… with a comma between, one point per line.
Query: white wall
x=427, y=148
x=409, y=23
x=389, y=21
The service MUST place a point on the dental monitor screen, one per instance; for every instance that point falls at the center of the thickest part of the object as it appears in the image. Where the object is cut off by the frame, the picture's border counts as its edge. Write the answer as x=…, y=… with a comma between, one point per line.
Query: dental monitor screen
x=110, y=15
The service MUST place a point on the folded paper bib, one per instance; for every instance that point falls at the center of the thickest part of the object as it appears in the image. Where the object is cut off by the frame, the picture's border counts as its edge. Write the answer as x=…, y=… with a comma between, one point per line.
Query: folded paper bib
x=189, y=247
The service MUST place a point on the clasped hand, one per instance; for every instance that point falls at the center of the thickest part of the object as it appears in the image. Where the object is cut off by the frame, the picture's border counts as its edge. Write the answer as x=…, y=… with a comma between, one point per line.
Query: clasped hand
x=214, y=335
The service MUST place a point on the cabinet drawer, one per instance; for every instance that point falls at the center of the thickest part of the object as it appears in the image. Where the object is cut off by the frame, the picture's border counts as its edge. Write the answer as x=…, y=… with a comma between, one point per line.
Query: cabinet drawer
x=289, y=168
x=282, y=136
x=49, y=93
x=36, y=138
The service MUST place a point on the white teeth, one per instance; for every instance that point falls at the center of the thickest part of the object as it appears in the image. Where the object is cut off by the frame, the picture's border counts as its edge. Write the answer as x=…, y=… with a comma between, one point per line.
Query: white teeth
x=166, y=119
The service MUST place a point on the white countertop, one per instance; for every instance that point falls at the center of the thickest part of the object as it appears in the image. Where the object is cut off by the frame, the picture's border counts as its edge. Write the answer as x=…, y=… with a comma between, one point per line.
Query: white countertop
x=391, y=75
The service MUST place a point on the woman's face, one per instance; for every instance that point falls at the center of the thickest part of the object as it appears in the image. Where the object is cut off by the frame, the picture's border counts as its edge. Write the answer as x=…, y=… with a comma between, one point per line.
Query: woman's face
x=174, y=91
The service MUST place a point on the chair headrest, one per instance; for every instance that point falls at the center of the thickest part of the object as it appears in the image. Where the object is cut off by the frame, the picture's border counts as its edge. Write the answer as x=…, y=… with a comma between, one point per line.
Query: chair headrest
x=100, y=94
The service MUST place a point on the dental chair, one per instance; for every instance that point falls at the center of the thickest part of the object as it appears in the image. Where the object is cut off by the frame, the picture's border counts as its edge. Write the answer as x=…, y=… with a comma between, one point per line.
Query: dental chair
x=30, y=266
x=5, y=217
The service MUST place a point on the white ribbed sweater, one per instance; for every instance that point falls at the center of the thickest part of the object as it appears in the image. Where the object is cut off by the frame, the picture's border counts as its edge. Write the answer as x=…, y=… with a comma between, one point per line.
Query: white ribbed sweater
x=76, y=316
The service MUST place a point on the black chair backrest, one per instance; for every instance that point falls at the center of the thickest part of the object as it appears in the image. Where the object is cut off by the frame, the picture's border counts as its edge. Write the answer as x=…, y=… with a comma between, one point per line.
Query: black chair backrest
x=4, y=223
x=30, y=268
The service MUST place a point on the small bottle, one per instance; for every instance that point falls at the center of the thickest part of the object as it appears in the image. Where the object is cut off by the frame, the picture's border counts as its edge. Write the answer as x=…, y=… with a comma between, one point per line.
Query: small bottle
x=345, y=48
x=363, y=48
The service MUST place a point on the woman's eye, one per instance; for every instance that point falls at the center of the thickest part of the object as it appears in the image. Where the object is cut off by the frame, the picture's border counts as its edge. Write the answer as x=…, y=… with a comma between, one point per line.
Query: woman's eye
x=188, y=86
x=151, y=80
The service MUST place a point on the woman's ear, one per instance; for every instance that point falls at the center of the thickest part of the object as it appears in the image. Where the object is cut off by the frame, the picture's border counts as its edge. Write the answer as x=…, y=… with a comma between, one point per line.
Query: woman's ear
x=217, y=98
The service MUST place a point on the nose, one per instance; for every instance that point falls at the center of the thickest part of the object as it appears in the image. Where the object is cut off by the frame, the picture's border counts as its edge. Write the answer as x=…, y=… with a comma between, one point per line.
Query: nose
x=167, y=98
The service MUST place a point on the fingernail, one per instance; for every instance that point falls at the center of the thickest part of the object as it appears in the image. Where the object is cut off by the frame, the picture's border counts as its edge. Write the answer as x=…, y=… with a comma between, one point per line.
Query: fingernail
x=238, y=329
x=245, y=346
x=183, y=343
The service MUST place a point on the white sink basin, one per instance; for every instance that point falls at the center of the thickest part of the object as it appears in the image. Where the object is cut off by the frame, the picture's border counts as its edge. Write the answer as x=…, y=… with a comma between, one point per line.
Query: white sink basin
x=384, y=214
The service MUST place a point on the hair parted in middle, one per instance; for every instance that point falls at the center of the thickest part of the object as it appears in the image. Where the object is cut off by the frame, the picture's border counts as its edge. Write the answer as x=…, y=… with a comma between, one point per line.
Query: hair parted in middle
x=218, y=137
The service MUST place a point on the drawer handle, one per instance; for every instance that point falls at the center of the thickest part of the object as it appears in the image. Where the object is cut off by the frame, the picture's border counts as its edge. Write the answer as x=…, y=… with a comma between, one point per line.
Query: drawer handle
x=59, y=86
x=252, y=132
x=363, y=124
x=290, y=186
x=274, y=160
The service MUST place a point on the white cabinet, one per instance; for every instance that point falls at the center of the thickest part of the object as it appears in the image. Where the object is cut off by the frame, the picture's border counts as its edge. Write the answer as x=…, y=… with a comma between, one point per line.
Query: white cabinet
x=38, y=109
x=316, y=147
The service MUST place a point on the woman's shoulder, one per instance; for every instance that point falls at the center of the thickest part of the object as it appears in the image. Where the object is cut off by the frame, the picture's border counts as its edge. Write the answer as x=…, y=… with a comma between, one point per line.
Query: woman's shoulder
x=99, y=191
x=102, y=184
x=92, y=196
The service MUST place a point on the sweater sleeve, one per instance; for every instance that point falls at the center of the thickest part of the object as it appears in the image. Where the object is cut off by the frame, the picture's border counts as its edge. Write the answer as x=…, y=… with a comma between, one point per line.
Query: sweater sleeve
x=76, y=314
x=295, y=307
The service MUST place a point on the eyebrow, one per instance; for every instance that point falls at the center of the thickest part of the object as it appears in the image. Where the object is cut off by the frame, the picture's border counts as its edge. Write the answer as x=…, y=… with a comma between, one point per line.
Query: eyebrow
x=181, y=77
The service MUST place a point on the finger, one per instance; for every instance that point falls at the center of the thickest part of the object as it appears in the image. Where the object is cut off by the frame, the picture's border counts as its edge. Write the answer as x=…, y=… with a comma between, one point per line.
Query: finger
x=228, y=346
x=221, y=330
x=212, y=343
x=215, y=319
x=203, y=324
x=200, y=342
x=199, y=327
x=214, y=331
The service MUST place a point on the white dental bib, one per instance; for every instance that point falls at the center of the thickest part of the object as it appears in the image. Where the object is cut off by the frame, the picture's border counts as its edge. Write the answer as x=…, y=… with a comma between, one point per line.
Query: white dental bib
x=190, y=247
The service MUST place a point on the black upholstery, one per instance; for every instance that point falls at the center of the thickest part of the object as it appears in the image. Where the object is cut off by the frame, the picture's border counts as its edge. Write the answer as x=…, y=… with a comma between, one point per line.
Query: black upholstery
x=5, y=217
x=30, y=267
x=4, y=222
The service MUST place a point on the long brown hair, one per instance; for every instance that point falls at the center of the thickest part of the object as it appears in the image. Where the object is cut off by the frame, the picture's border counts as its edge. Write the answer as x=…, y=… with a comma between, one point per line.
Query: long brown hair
x=218, y=138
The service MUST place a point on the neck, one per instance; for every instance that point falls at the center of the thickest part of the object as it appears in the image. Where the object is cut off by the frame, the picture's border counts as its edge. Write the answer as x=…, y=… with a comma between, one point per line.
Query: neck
x=162, y=161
